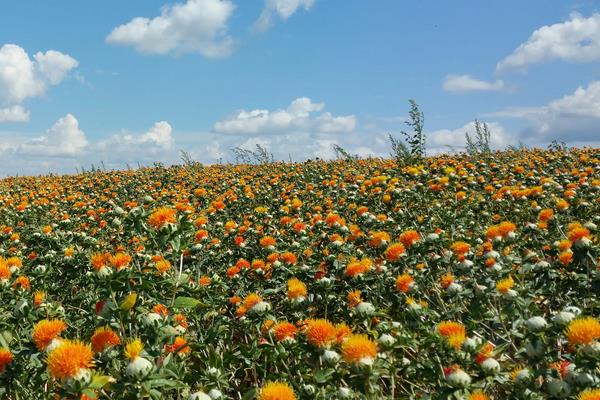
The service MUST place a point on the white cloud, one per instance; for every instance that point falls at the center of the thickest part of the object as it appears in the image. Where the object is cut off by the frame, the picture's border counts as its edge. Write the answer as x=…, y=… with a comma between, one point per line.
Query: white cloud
x=448, y=140
x=54, y=65
x=466, y=83
x=575, y=40
x=22, y=78
x=64, y=138
x=14, y=114
x=282, y=8
x=65, y=147
x=573, y=117
x=297, y=117
x=197, y=26
x=155, y=140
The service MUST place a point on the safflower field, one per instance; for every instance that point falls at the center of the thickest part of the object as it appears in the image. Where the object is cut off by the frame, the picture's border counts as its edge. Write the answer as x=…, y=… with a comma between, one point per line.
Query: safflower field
x=458, y=278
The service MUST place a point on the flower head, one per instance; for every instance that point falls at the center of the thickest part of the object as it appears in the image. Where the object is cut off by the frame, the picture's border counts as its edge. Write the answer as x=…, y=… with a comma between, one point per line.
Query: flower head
x=454, y=332
x=161, y=217
x=276, y=391
x=6, y=358
x=359, y=349
x=133, y=349
x=103, y=338
x=47, y=330
x=284, y=330
x=589, y=394
x=69, y=358
x=320, y=332
x=504, y=285
x=296, y=289
x=404, y=283
x=394, y=251
x=583, y=331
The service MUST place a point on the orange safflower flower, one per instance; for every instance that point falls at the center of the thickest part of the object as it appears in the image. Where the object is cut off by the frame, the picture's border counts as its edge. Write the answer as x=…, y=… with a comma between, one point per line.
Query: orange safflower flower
x=162, y=216
x=121, y=260
x=446, y=280
x=460, y=248
x=276, y=391
x=478, y=395
x=404, y=283
x=394, y=252
x=179, y=346
x=45, y=331
x=103, y=338
x=357, y=268
x=204, y=280
x=578, y=233
x=409, y=238
x=454, y=332
x=266, y=241
x=284, y=330
x=320, y=332
x=565, y=257
x=359, y=348
x=6, y=357
x=296, y=289
x=342, y=331
x=69, y=358
x=354, y=298
x=22, y=282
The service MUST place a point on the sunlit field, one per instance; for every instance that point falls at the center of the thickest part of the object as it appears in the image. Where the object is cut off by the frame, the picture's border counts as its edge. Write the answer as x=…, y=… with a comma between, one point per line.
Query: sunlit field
x=459, y=277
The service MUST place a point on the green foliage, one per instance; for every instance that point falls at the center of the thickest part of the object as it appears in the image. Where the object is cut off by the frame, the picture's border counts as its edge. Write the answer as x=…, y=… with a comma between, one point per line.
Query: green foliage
x=410, y=150
x=343, y=154
x=480, y=144
x=259, y=156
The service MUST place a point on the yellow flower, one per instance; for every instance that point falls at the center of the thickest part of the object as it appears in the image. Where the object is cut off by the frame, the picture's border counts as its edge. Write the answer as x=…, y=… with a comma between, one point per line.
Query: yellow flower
x=589, y=394
x=504, y=285
x=296, y=289
x=133, y=349
x=478, y=395
x=583, y=331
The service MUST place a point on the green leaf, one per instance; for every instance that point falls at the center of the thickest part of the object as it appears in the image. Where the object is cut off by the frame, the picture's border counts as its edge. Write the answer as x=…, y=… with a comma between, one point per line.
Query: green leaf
x=323, y=375
x=99, y=381
x=5, y=339
x=186, y=302
x=249, y=395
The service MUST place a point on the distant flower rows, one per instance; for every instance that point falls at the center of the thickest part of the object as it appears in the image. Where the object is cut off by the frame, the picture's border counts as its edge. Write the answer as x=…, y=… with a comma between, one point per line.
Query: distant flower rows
x=464, y=277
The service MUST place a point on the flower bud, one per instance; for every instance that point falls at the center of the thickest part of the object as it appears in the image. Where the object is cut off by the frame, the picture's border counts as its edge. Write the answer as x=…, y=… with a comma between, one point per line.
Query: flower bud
x=536, y=324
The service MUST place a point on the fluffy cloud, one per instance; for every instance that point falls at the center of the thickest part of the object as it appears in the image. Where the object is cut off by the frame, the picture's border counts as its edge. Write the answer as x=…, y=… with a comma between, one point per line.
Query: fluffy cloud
x=466, y=83
x=14, y=114
x=573, y=117
x=297, y=117
x=64, y=138
x=197, y=26
x=576, y=40
x=65, y=147
x=281, y=8
x=445, y=140
x=22, y=78
x=158, y=138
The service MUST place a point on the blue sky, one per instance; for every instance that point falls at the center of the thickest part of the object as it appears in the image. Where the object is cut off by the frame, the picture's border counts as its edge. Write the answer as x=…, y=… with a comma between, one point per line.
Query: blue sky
x=294, y=75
